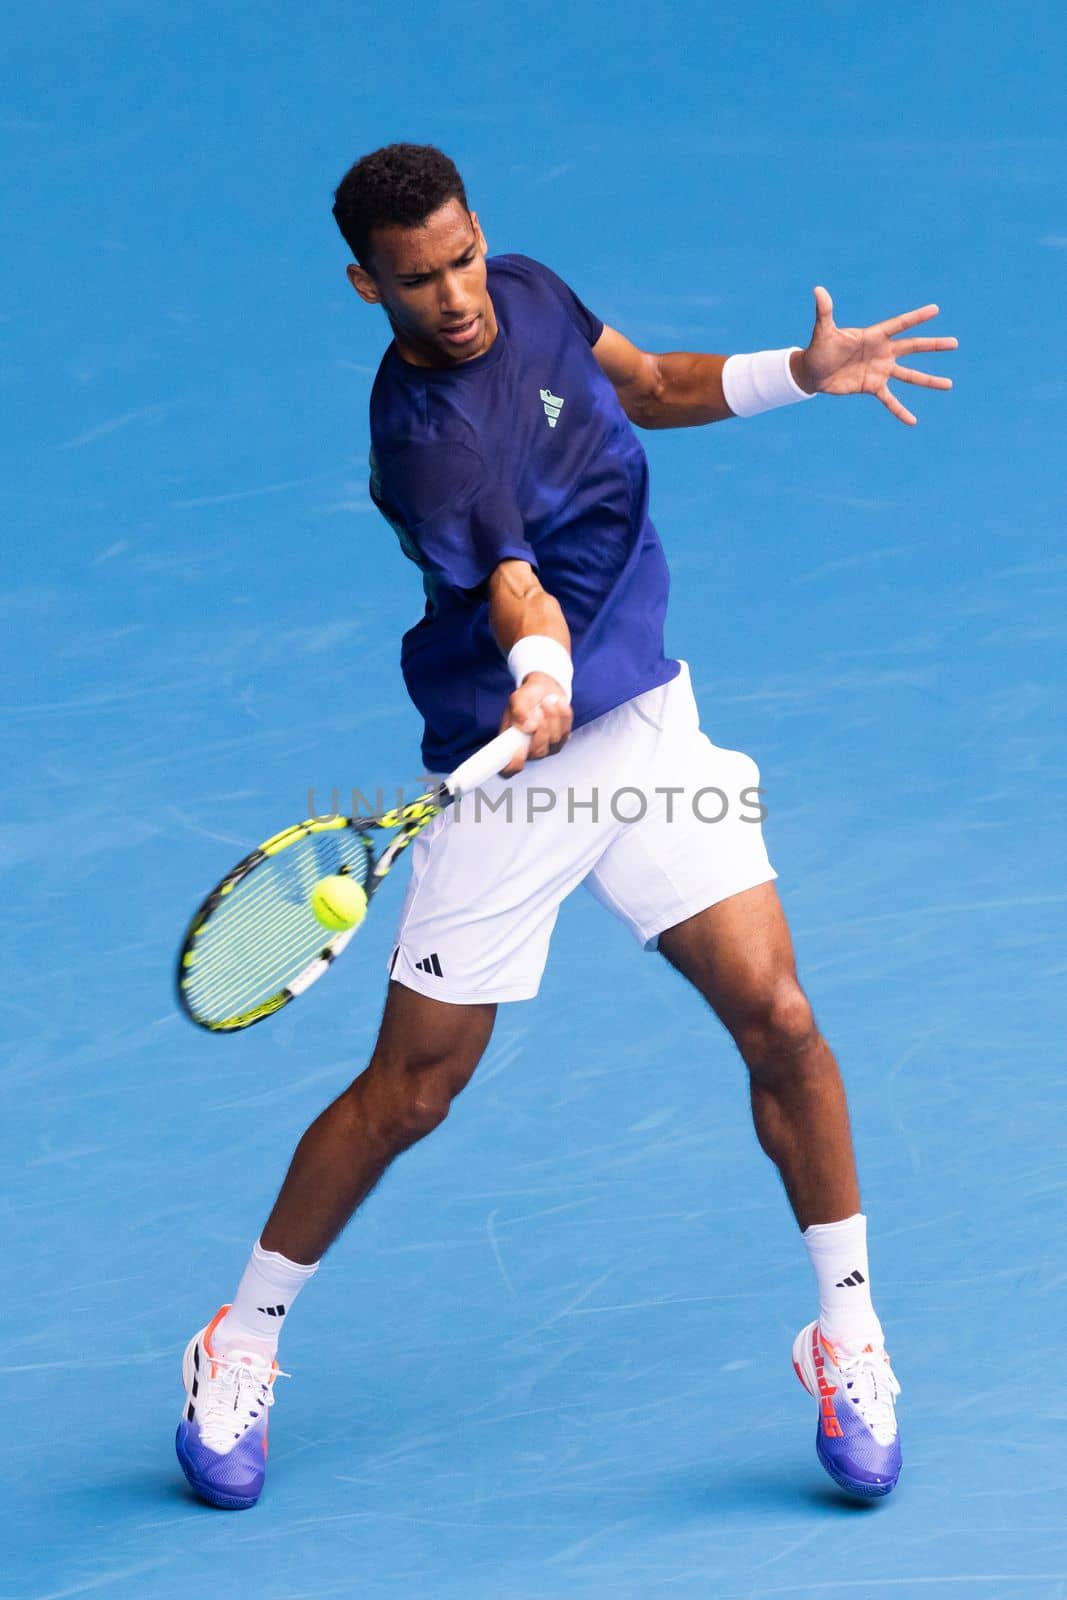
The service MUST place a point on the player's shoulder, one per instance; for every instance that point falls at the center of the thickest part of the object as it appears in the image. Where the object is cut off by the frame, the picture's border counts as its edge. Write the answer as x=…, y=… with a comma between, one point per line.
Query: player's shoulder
x=420, y=458
x=547, y=292
x=519, y=266
x=520, y=269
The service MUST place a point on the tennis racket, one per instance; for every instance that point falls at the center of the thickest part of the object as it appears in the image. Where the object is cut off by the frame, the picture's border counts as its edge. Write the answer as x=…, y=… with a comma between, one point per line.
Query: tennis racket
x=255, y=943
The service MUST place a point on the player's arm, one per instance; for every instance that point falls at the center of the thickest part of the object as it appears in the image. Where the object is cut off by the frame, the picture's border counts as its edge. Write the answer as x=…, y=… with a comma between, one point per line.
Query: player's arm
x=676, y=390
x=679, y=389
x=530, y=629
x=683, y=389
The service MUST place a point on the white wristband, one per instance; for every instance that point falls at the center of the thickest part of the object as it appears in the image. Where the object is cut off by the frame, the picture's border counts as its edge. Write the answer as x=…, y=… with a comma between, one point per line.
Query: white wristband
x=538, y=653
x=760, y=382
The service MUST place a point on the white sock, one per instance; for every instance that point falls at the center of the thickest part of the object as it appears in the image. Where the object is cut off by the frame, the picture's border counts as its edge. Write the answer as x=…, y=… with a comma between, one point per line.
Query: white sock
x=838, y=1254
x=264, y=1297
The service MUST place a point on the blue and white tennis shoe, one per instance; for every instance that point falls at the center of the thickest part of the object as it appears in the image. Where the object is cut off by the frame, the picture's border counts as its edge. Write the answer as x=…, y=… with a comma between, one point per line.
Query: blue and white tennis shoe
x=856, y=1439
x=222, y=1436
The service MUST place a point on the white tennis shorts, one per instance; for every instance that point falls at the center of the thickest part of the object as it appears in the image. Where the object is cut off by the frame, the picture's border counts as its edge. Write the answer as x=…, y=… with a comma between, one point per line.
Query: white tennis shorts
x=639, y=806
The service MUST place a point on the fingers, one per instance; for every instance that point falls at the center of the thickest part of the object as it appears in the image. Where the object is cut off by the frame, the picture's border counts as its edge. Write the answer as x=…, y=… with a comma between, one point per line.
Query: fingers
x=539, y=709
x=891, y=403
x=914, y=347
x=824, y=306
x=551, y=724
x=907, y=319
x=924, y=379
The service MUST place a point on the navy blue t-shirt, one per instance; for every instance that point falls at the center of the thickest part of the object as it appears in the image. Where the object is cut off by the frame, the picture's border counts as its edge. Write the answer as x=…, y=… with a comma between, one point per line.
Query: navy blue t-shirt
x=521, y=452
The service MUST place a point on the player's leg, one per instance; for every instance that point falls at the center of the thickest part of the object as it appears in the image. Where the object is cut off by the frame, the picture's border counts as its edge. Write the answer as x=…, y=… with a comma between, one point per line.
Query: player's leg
x=739, y=955
x=426, y=1053
x=692, y=877
x=474, y=930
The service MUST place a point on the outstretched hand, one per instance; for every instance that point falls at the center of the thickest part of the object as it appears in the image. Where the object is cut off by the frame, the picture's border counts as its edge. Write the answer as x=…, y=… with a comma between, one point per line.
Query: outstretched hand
x=862, y=360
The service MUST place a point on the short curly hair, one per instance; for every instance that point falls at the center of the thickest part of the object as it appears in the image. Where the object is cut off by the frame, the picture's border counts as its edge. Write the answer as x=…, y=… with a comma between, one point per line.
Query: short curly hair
x=397, y=186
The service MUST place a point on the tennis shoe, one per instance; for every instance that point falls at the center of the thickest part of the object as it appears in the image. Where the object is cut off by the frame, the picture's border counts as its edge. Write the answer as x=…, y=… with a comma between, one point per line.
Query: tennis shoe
x=856, y=1439
x=222, y=1436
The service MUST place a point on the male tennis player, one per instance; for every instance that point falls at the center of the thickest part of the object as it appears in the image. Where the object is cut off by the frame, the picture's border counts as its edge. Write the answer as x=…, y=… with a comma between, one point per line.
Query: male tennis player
x=505, y=458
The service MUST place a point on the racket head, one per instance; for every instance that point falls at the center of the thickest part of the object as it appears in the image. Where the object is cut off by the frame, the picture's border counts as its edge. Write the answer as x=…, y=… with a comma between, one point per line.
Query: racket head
x=254, y=944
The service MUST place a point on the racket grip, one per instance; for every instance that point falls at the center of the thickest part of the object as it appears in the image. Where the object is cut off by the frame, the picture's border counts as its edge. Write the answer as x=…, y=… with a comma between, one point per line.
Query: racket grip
x=486, y=762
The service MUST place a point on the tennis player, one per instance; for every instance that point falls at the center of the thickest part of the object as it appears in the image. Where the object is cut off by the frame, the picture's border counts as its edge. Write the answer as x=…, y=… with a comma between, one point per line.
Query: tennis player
x=505, y=458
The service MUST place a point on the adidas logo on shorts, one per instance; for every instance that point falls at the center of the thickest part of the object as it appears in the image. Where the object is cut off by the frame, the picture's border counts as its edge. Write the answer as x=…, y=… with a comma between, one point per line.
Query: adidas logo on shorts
x=430, y=964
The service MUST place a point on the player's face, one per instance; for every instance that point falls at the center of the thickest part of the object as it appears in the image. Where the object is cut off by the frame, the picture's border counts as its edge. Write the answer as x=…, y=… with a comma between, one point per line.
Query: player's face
x=431, y=281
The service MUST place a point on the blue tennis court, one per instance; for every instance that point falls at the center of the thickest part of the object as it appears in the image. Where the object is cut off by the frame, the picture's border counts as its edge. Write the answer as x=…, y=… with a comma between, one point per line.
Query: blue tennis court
x=550, y=1358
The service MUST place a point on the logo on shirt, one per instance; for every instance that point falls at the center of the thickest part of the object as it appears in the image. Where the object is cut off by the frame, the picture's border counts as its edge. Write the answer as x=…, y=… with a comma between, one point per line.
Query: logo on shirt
x=553, y=404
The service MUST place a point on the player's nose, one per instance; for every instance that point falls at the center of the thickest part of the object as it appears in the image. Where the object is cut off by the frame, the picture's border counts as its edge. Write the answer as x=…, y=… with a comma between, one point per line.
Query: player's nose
x=453, y=298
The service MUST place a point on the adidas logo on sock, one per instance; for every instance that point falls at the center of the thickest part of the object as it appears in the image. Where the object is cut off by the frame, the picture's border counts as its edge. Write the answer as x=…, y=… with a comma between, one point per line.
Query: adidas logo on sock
x=853, y=1280
x=553, y=404
x=272, y=1311
x=430, y=964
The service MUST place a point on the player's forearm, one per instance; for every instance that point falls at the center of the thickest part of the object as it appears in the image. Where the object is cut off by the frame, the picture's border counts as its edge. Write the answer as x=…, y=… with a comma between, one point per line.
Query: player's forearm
x=531, y=630
x=690, y=390
x=519, y=606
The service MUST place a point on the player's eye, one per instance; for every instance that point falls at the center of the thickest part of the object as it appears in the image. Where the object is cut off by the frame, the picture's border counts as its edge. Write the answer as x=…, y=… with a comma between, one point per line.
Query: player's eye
x=413, y=283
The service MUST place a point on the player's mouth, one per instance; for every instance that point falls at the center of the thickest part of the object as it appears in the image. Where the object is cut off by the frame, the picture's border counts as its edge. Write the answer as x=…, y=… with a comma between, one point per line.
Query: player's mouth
x=462, y=332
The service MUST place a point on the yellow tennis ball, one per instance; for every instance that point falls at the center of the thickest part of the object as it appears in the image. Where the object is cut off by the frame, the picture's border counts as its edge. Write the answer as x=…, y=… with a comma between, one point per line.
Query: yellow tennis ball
x=339, y=902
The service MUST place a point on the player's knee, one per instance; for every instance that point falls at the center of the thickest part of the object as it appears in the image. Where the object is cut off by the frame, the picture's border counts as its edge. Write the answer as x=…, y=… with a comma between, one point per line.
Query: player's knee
x=778, y=1031
x=417, y=1099
x=428, y=1103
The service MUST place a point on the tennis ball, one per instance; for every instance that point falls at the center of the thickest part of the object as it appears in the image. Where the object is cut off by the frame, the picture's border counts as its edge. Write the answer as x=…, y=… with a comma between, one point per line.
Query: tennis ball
x=339, y=902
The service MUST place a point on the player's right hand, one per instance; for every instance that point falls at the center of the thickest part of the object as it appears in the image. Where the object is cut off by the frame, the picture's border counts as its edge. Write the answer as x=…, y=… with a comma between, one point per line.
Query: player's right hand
x=539, y=707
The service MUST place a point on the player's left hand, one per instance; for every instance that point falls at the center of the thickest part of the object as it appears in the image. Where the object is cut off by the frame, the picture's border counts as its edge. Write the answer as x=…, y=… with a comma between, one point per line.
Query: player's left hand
x=862, y=360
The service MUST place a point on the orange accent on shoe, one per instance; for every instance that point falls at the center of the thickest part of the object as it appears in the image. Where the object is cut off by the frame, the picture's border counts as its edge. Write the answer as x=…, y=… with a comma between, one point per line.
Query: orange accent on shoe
x=831, y=1427
x=208, y=1331
x=214, y=1358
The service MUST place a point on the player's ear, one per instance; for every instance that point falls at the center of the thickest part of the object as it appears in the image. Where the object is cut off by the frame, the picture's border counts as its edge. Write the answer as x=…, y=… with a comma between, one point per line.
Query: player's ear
x=363, y=284
x=479, y=235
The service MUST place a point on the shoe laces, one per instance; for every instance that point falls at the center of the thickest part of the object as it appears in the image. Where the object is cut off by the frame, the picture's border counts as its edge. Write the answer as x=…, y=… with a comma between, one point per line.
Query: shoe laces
x=239, y=1390
x=871, y=1385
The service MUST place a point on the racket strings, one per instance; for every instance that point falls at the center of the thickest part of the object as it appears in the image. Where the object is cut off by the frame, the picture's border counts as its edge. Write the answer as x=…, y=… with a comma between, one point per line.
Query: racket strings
x=264, y=933
x=229, y=977
x=283, y=953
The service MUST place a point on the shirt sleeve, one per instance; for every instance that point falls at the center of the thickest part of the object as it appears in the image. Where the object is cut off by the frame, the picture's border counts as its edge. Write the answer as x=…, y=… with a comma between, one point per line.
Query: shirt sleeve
x=588, y=325
x=460, y=519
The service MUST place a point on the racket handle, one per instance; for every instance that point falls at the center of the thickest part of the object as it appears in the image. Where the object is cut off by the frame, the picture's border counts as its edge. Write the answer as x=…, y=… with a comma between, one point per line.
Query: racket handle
x=486, y=762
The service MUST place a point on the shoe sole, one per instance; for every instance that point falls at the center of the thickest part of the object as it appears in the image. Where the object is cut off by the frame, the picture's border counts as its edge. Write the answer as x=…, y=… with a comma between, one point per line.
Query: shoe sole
x=210, y=1496
x=854, y=1486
